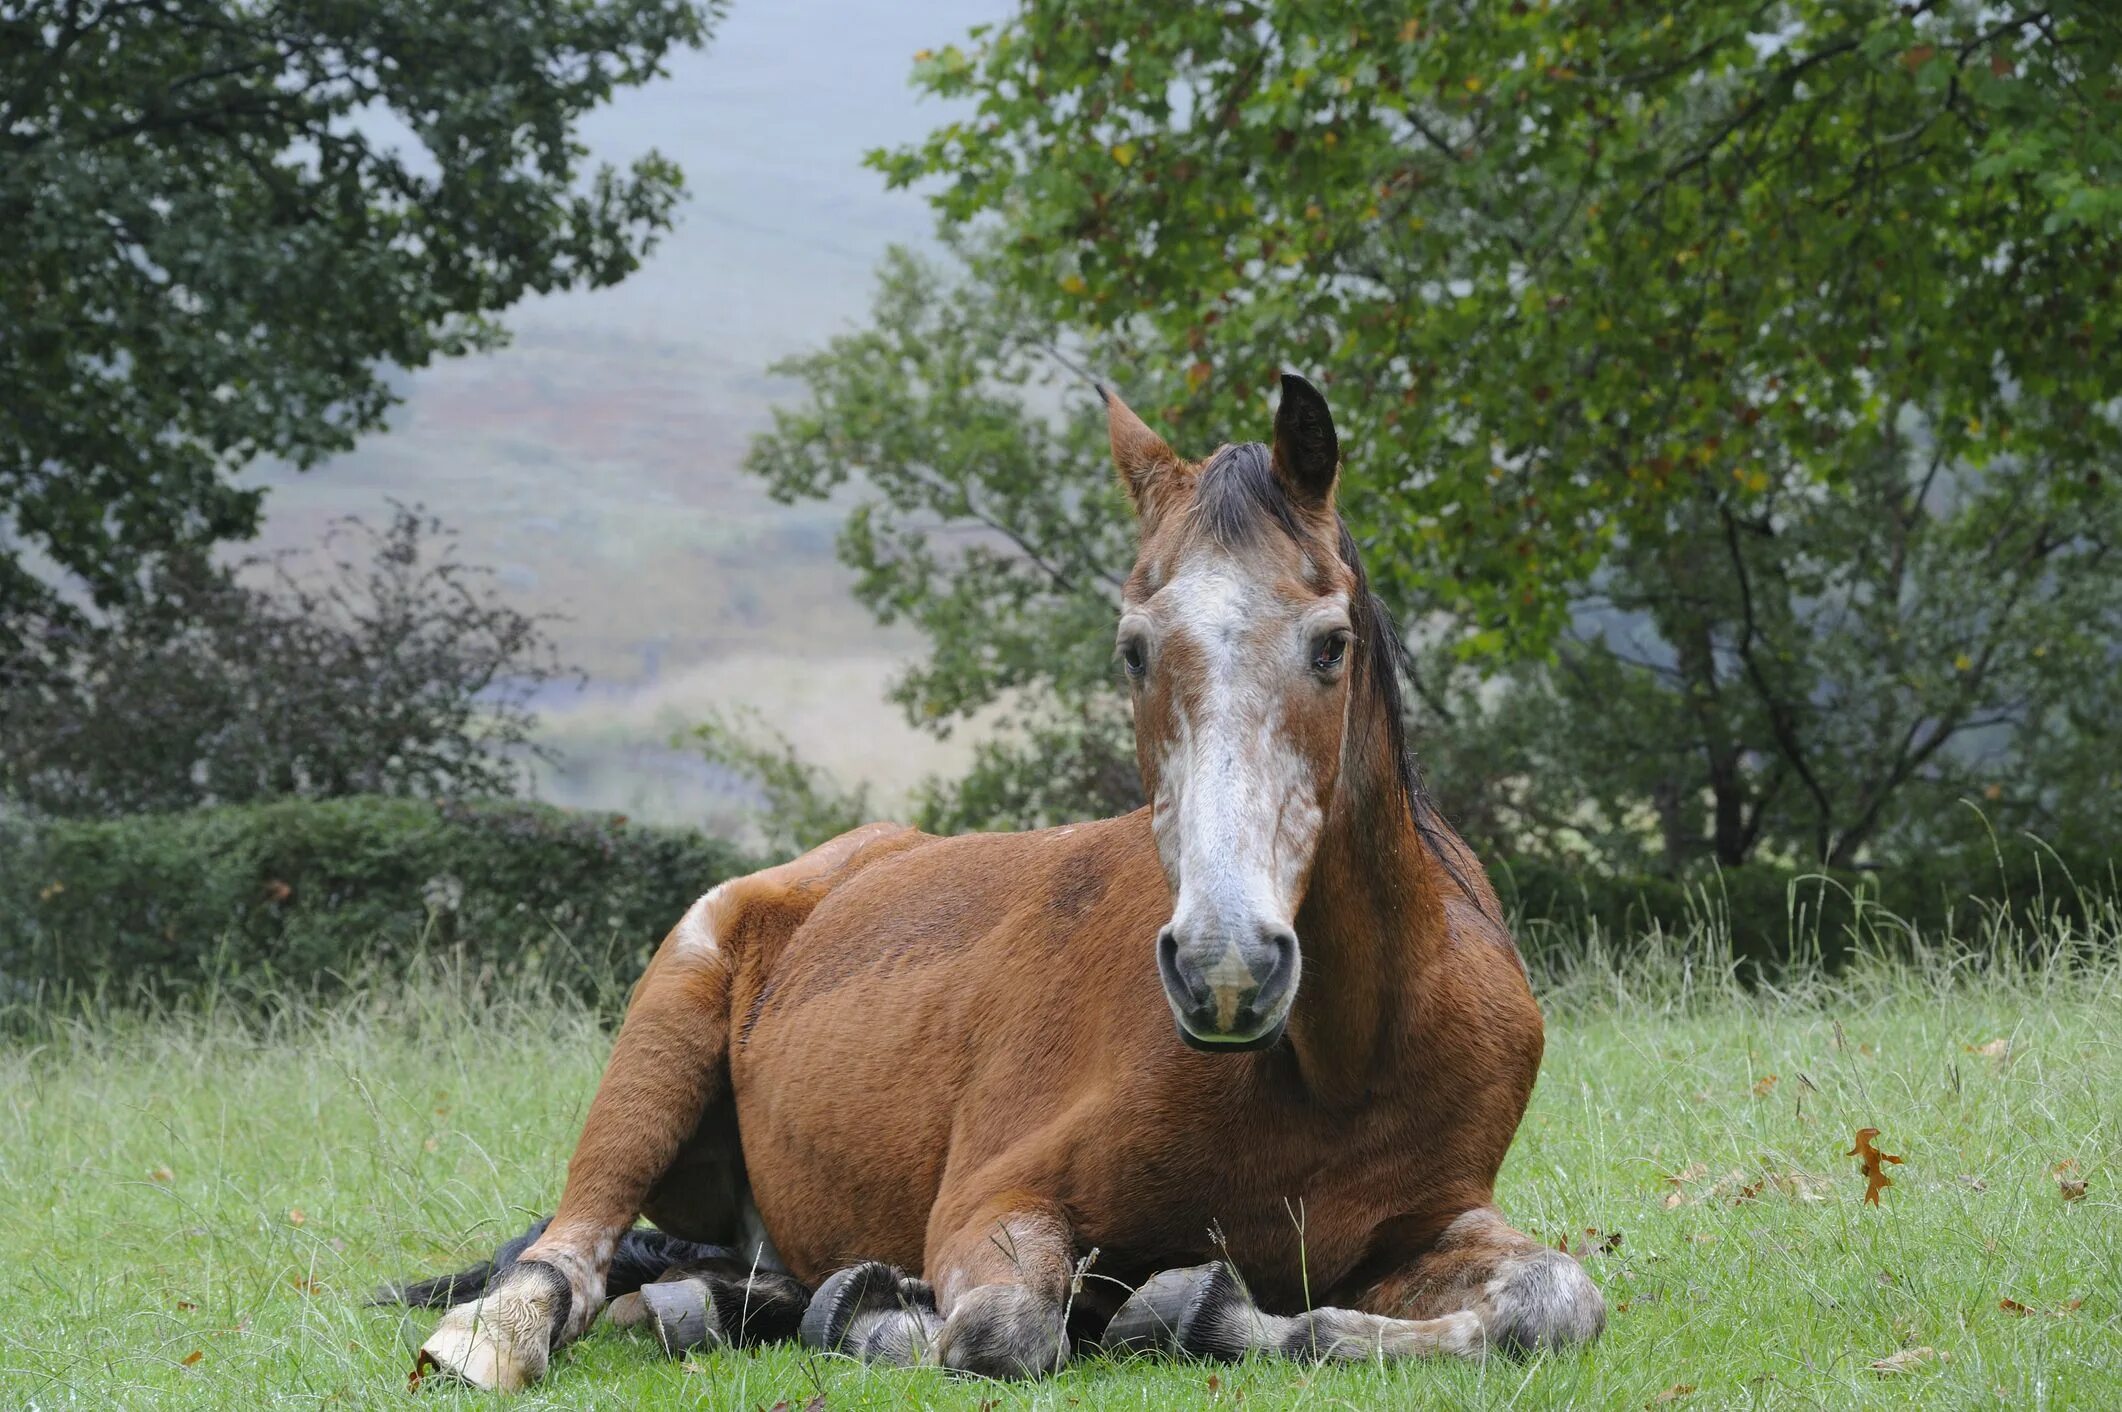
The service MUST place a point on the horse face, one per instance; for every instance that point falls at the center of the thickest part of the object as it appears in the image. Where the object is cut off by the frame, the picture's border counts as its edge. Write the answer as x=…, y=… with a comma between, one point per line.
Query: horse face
x=1235, y=641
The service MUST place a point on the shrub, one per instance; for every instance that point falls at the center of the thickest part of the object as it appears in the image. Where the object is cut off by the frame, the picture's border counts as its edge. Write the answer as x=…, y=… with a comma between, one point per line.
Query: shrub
x=303, y=893
x=1772, y=912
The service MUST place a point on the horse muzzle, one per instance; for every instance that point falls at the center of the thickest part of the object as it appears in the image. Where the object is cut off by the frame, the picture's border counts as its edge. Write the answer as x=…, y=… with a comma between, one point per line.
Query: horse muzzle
x=1229, y=994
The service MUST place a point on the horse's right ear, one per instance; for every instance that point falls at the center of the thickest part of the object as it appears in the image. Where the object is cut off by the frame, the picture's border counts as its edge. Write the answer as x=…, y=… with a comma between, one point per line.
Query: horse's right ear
x=1150, y=470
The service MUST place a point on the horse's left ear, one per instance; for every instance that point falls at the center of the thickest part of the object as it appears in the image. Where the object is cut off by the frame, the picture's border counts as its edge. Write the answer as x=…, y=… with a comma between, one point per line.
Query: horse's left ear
x=1307, y=453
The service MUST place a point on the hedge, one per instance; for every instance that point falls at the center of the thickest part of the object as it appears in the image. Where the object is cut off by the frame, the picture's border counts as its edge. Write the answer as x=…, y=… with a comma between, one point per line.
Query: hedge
x=305, y=893
x=1774, y=911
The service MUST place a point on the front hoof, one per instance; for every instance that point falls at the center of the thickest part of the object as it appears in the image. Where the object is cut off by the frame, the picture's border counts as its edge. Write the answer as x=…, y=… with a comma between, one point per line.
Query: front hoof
x=502, y=1341
x=1181, y=1311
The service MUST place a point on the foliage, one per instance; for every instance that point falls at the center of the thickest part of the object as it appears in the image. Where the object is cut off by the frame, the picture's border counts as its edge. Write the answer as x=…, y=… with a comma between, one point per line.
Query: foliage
x=801, y=806
x=986, y=525
x=298, y=894
x=230, y=226
x=1723, y=377
x=392, y=668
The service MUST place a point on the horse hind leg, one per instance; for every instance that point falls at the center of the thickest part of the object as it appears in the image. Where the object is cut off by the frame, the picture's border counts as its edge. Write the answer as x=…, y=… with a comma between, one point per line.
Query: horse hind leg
x=669, y=1066
x=664, y=1101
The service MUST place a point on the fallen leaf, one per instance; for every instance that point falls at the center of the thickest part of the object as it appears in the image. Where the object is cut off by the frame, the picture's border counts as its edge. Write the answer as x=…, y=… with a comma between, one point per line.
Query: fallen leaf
x=162, y=1174
x=192, y=1358
x=1909, y=1359
x=1671, y=1394
x=1700, y=1238
x=1672, y=1200
x=1215, y=1384
x=305, y=1285
x=1875, y=1178
x=1766, y=1084
x=1693, y=1171
x=186, y=1305
x=2071, y=1190
x=2013, y=1306
x=295, y=1216
x=1998, y=1049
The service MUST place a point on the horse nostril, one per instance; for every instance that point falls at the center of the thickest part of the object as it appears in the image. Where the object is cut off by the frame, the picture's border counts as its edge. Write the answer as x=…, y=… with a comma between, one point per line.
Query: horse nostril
x=1282, y=949
x=1177, y=983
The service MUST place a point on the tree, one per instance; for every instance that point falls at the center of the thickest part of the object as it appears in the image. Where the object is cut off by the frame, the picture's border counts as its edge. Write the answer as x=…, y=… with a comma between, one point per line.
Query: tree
x=391, y=667
x=229, y=226
x=1725, y=376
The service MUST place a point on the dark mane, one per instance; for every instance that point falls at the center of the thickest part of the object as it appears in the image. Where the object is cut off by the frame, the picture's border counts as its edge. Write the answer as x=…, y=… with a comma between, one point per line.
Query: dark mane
x=1237, y=499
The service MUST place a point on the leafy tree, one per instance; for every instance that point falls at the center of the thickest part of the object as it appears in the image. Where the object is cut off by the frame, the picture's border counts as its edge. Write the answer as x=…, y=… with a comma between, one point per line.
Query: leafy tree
x=1726, y=377
x=228, y=224
x=390, y=668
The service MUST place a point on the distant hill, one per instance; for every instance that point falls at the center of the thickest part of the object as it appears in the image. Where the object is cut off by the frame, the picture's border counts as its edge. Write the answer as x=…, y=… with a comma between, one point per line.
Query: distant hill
x=596, y=463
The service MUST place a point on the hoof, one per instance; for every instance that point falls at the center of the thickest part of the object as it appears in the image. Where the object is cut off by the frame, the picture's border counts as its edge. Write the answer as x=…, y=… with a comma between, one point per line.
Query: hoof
x=681, y=1314
x=502, y=1341
x=1181, y=1311
x=873, y=1312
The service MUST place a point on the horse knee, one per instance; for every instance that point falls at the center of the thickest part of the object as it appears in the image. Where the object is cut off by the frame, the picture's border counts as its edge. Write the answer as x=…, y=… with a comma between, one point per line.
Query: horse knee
x=1541, y=1300
x=1004, y=1331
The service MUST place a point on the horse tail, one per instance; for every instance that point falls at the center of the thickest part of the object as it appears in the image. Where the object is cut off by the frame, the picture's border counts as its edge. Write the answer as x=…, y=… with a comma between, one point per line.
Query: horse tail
x=643, y=1255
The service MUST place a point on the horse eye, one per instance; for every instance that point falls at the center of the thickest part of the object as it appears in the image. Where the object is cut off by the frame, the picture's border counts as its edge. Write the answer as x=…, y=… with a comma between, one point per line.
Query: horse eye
x=1131, y=659
x=1329, y=651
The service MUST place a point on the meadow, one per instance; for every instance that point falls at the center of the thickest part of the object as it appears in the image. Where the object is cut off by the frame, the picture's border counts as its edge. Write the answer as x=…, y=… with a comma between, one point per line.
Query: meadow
x=196, y=1201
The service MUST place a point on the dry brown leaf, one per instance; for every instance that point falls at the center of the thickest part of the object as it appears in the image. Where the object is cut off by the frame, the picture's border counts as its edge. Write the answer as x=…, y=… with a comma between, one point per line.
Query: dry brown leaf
x=1766, y=1084
x=1671, y=1394
x=295, y=1216
x=1875, y=1178
x=2013, y=1306
x=2071, y=1190
x=1909, y=1359
x=186, y=1305
x=1672, y=1200
x=1700, y=1238
x=191, y=1359
x=304, y=1285
x=162, y=1174
x=1997, y=1049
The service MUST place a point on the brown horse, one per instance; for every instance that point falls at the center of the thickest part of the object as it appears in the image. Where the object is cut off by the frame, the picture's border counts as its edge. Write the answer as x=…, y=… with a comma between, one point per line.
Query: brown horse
x=1268, y=1027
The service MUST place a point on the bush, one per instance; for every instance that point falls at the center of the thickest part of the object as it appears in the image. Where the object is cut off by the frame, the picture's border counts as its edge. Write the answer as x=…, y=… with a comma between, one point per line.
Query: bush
x=1773, y=912
x=303, y=893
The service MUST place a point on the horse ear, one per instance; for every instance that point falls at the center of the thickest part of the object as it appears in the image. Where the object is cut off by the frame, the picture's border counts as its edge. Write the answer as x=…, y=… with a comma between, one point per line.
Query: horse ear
x=1149, y=469
x=1307, y=453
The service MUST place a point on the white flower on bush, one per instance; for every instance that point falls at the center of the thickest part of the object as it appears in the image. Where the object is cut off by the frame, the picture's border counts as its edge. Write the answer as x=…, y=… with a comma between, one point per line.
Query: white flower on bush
x=443, y=893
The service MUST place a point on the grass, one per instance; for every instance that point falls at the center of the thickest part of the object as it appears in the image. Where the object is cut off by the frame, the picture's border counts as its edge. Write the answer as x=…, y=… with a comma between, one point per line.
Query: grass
x=194, y=1205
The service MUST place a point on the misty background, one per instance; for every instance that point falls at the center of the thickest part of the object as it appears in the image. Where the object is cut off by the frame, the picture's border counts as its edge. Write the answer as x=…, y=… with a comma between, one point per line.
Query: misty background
x=596, y=464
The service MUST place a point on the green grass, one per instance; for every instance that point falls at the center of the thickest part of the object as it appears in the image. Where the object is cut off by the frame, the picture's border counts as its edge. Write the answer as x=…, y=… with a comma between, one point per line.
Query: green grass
x=151, y=1171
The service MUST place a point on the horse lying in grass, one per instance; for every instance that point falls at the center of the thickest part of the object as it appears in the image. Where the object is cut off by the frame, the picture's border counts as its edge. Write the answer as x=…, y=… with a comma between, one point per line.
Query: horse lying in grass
x=1082, y=1078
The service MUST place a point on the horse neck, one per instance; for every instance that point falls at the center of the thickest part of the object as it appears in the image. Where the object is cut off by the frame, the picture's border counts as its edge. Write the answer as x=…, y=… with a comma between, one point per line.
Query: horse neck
x=1371, y=926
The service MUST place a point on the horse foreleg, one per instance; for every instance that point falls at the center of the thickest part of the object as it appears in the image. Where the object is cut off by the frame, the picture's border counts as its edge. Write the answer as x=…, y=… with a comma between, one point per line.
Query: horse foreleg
x=1482, y=1286
x=1528, y=1296
x=669, y=1063
x=999, y=1307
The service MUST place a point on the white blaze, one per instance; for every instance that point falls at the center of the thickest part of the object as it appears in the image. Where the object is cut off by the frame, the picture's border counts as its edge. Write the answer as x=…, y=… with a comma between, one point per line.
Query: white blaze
x=1236, y=815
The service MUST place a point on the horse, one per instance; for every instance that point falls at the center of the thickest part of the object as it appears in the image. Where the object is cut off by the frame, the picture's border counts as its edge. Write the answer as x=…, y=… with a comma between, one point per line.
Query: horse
x=1230, y=1074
